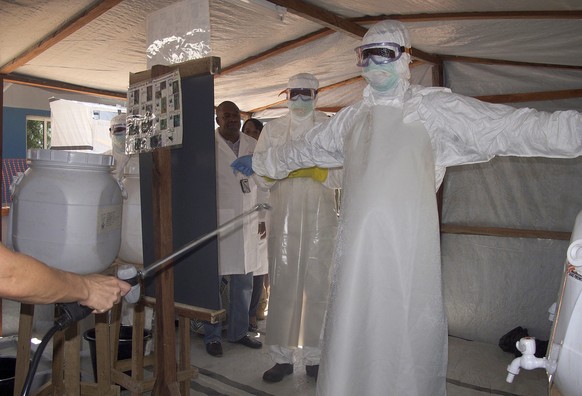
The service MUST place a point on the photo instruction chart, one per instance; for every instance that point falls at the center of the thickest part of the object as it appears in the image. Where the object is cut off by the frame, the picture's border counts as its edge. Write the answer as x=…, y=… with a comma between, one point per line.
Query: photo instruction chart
x=154, y=114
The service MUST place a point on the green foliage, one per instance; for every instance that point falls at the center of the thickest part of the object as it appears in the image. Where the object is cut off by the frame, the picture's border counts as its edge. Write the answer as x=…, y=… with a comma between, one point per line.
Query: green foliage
x=35, y=130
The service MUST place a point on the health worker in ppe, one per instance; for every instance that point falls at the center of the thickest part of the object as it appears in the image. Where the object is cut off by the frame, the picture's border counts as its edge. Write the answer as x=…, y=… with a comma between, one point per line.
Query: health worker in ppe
x=386, y=329
x=301, y=237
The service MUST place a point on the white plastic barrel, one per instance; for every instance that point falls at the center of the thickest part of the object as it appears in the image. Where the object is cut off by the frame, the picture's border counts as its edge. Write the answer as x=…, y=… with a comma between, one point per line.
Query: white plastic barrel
x=67, y=210
x=566, y=347
x=131, y=250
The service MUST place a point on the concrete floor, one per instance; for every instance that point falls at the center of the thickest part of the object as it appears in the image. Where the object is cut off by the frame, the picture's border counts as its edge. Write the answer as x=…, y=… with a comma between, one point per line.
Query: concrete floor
x=474, y=368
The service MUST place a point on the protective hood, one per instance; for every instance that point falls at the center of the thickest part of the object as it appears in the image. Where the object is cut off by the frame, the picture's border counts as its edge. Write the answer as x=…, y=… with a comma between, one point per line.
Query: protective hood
x=303, y=80
x=303, y=108
x=391, y=32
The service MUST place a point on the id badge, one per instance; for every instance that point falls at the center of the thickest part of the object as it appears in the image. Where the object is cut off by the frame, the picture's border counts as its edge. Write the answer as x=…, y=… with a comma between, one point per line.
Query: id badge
x=244, y=185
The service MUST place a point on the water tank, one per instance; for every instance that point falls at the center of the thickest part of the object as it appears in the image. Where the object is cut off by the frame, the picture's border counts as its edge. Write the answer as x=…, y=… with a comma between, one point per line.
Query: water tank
x=67, y=210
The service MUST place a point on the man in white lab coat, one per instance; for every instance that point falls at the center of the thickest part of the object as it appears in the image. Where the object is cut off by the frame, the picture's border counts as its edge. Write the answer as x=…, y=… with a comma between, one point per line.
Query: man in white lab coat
x=386, y=330
x=237, y=246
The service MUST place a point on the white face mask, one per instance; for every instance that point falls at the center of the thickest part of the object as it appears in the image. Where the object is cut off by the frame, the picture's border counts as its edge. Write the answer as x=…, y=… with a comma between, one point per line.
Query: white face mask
x=381, y=77
x=118, y=143
x=301, y=108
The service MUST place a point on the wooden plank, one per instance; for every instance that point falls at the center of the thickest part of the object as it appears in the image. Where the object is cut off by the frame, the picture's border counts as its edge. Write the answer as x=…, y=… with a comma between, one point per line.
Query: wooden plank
x=504, y=232
x=531, y=96
x=72, y=361
x=460, y=16
x=137, y=345
x=192, y=312
x=322, y=16
x=58, y=386
x=195, y=67
x=127, y=364
x=276, y=50
x=23, y=347
x=86, y=16
x=489, y=61
x=61, y=86
x=166, y=376
x=103, y=353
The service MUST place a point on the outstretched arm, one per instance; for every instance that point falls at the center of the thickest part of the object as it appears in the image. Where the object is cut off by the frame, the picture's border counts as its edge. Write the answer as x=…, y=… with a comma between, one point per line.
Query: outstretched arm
x=25, y=279
x=465, y=130
x=321, y=147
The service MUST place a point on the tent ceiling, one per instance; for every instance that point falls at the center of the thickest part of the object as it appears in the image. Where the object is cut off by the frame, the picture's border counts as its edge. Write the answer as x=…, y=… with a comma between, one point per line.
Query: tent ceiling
x=106, y=41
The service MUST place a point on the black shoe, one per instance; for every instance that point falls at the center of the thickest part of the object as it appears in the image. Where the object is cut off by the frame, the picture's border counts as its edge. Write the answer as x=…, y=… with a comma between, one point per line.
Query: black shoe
x=214, y=348
x=249, y=342
x=278, y=372
x=312, y=371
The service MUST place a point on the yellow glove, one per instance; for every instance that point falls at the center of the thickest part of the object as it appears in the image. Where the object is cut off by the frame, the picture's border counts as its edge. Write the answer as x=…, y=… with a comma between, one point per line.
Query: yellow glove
x=317, y=174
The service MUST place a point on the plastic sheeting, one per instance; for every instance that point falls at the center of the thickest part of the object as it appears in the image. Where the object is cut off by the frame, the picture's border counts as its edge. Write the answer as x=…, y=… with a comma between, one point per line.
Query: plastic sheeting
x=494, y=284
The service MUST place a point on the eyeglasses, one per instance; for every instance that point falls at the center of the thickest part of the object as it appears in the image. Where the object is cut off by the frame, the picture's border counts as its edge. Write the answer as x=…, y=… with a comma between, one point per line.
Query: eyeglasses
x=379, y=53
x=304, y=93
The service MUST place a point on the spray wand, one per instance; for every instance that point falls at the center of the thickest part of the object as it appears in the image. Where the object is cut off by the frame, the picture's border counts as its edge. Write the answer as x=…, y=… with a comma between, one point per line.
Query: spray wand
x=130, y=274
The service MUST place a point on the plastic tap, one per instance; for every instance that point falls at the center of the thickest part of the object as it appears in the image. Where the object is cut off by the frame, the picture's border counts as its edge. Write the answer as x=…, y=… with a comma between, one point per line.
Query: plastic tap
x=528, y=361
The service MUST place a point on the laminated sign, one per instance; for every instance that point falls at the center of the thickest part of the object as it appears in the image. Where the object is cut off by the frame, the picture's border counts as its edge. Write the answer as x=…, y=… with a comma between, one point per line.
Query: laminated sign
x=154, y=114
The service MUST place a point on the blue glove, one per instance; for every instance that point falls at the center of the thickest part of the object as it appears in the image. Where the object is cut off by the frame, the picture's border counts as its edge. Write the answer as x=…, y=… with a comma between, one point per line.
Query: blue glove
x=244, y=165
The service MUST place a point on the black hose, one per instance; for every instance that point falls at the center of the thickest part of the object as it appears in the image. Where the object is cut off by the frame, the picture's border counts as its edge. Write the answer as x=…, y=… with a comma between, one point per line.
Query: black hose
x=71, y=313
x=36, y=359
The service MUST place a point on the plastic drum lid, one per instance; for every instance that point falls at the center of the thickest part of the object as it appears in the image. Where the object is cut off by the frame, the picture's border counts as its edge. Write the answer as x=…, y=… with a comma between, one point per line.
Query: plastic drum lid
x=70, y=158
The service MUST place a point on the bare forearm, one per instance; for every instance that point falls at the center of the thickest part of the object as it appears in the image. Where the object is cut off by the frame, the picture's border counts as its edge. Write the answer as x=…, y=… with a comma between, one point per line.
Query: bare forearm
x=26, y=279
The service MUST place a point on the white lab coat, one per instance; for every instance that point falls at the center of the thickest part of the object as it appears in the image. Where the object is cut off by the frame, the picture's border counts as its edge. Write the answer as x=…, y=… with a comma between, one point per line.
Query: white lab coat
x=301, y=242
x=386, y=332
x=237, y=246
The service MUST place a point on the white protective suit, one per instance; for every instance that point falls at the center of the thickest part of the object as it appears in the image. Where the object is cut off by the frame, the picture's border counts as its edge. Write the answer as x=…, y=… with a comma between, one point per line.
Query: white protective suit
x=386, y=331
x=237, y=246
x=301, y=236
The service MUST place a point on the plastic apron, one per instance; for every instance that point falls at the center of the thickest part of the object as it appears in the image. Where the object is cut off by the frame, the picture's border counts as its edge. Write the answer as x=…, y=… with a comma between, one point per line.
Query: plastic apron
x=386, y=291
x=301, y=240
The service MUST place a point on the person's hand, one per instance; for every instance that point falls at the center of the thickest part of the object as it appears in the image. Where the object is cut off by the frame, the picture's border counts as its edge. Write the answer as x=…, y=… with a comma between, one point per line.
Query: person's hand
x=103, y=291
x=244, y=165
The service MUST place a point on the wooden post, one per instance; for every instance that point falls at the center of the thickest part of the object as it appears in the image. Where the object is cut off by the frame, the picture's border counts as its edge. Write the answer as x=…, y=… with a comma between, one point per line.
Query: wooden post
x=166, y=372
x=166, y=368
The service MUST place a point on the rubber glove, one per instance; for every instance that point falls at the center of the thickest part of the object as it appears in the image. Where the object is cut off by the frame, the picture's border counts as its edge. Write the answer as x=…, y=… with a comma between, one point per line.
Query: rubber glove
x=317, y=174
x=244, y=165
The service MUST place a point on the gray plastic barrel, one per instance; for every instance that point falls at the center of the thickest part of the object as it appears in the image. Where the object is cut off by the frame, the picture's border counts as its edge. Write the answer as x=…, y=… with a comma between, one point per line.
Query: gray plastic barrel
x=67, y=209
